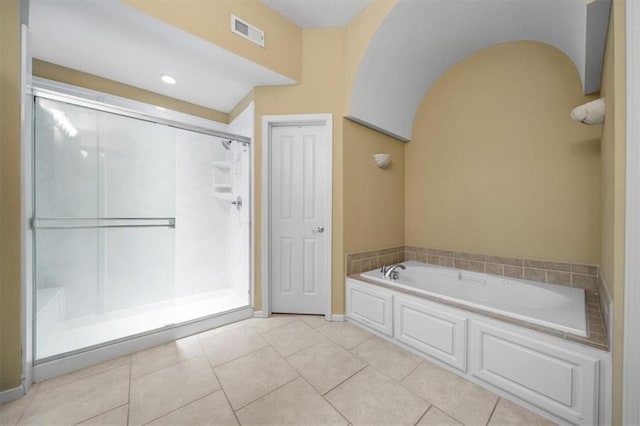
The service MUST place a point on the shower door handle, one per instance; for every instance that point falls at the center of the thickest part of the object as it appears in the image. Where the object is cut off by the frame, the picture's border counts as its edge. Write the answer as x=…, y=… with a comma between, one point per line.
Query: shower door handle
x=318, y=230
x=105, y=222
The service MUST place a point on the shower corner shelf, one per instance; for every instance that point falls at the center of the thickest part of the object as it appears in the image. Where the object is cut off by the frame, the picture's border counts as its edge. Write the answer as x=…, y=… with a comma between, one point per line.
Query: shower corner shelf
x=223, y=166
x=223, y=191
x=226, y=196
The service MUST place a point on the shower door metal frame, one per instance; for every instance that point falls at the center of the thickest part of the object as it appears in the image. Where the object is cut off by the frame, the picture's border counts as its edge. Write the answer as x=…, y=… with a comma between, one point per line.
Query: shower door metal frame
x=69, y=361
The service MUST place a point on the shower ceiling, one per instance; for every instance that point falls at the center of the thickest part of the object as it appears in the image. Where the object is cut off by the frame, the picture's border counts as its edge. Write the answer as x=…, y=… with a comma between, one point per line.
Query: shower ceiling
x=115, y=41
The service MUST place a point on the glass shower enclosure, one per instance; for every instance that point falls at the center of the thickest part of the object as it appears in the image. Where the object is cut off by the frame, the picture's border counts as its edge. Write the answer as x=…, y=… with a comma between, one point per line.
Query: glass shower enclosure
x=138, y=226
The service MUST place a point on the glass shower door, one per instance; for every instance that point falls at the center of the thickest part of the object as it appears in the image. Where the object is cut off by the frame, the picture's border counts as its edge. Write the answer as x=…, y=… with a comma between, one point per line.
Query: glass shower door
x=104, y=227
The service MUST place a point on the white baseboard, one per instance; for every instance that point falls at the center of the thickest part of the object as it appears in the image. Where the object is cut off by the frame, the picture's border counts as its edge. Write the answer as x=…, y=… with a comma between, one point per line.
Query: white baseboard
x=338, y=317
x=259, y=314
x=11, y=394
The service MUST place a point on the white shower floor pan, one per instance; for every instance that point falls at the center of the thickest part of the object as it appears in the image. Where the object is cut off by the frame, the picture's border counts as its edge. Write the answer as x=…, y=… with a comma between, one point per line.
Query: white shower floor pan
x=71, y=335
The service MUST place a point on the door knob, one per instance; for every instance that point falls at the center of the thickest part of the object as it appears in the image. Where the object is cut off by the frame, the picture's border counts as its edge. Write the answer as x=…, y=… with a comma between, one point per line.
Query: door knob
x=319, y=229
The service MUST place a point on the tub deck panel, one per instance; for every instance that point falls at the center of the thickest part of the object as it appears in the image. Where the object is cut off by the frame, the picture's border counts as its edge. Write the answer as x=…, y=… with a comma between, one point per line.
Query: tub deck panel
x=371, y=307
x=432, y=331
x=558, y=380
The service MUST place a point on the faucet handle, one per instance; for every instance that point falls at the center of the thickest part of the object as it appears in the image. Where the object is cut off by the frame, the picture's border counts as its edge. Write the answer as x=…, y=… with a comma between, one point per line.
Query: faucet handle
x=383, y=269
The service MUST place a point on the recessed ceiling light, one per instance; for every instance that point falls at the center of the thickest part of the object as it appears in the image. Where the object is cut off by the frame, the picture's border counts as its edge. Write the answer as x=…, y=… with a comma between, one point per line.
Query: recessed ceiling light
x=168, y=79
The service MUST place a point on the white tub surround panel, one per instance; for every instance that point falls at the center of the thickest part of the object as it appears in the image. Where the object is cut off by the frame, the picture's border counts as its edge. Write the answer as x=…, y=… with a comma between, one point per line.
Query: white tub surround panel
x=561, y=380
x=434, y=331
x=371, y=307
x=565, y=381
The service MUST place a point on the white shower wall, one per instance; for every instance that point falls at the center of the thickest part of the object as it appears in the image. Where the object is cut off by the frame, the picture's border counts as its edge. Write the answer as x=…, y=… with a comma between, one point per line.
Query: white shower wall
x=201, y=232
x=240, y=220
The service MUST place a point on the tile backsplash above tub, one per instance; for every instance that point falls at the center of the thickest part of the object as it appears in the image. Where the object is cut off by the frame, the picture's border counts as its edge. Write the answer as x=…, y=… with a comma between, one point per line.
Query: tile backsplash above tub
x=569, y=274
x=373, y=259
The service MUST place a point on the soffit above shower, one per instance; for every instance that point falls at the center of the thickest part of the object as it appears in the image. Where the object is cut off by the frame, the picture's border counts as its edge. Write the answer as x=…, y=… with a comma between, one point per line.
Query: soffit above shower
x=115, y=41
x=318, y=14
x=420, y=40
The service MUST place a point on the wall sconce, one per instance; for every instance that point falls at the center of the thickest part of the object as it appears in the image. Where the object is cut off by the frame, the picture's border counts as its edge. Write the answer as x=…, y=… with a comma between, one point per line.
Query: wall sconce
x=590, y=113
x=382, y=160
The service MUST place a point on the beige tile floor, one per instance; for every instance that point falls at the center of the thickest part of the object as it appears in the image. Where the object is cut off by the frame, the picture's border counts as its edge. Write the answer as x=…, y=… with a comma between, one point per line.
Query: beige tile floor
x=296, y=370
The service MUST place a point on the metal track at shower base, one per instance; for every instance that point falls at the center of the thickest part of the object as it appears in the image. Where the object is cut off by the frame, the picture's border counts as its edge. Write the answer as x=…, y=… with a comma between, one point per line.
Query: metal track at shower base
x=57, y=365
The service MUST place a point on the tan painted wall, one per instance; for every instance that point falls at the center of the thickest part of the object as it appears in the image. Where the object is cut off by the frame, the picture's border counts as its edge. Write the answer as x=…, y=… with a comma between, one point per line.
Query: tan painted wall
x=613, y=190
x=241, y=106
x=211, y=21
x=89, y=81
x=320, y=91
x=496, y=165
x=10, y=252
x=330, y=58
x=373, y=197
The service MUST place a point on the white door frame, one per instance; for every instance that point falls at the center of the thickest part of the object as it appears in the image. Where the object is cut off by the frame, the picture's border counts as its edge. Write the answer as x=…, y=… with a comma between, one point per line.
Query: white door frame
x=269, y=121
x=631, y=365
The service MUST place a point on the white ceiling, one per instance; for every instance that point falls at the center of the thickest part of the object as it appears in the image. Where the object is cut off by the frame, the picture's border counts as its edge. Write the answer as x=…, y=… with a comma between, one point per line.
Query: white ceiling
x=115, y=41
x=318, y=13
x=420, y=40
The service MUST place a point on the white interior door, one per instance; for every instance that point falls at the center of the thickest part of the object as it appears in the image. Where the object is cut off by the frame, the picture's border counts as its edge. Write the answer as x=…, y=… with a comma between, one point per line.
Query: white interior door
x=299, y=211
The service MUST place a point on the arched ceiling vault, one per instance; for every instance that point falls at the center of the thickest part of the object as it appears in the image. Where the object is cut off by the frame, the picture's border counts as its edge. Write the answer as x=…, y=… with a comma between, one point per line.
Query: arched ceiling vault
x=420, y=40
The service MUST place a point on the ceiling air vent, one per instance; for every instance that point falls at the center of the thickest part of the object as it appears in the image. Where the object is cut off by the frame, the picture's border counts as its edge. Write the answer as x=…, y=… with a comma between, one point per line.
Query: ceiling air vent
x=246, y=30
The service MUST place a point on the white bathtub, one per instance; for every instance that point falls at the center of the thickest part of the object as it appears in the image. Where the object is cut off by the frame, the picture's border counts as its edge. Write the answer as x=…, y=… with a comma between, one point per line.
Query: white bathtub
x=554, y=306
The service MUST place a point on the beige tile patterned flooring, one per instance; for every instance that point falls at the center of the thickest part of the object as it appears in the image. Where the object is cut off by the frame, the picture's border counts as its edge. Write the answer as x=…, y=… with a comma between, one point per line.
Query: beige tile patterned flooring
x=295, y=370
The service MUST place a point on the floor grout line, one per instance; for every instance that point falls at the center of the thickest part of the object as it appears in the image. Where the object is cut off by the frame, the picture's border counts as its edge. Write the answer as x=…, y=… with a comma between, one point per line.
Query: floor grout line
x=26, y=407
x=270, y=346
x=296, y=370
x=190, y=402
x=424, y=414
x=447, y=414
x=82, y=377
x=180, y=407
x=34, y=390
x=353, y=347
x=494, y=410
x=178, y=362
x=204, y=355
x=299, y=350
x=100, y=414
x=328, y=402
x=274, y=328
x=220, y=383
x=268, y=393
x=240, y=357
x=359, y=370
x=129, y=390
x=234, y=326
x=411, y=372
x=229, y=402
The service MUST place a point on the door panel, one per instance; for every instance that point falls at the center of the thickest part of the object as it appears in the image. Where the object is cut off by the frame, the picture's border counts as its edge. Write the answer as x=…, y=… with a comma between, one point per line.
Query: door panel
x=300, y=180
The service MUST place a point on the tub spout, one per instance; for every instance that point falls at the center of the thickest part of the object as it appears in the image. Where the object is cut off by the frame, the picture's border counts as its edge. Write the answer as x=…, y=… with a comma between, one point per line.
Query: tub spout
x=391, y=272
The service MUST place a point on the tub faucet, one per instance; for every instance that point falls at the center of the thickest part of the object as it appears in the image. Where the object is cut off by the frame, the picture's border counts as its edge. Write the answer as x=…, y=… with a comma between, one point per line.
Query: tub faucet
x=391, y=273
